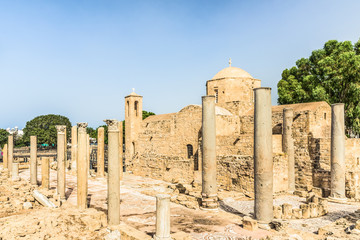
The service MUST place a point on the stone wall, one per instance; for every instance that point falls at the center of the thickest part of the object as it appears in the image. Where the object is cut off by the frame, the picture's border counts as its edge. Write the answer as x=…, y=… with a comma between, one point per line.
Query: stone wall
x=320, y=154
x=236, y=172
x=164, y=141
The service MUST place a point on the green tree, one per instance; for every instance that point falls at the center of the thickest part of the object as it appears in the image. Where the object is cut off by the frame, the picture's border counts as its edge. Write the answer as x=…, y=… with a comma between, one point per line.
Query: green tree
x=146, y=114
x=3, y=137
x=105, y=133
x=44, y=128
x=92, y=132
x=330, y=74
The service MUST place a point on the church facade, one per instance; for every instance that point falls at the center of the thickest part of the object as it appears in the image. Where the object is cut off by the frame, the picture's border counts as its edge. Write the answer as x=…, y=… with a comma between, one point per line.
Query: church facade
x=168, y=146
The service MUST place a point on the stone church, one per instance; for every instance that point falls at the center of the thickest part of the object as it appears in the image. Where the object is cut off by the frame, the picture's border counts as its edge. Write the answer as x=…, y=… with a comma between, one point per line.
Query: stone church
x=168, y=146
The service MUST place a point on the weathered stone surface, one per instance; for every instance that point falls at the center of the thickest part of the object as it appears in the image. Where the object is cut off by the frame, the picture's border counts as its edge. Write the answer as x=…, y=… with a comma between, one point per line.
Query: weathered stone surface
x=277, y=212
x=313, y=210
x=278, y=225
x=250, y=224
x=181, y=236
x=91, y=223
x=113, y=235
x=357, y=224
x=297, y=213
x=27, y=205
x=305, y=209
x=287, y=211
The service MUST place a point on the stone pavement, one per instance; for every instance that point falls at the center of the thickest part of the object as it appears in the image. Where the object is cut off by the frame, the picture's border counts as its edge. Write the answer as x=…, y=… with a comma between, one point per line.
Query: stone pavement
x=138, y=210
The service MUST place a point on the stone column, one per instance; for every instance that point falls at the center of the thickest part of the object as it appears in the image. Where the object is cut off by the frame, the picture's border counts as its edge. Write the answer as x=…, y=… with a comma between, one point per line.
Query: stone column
x=74, y=146
x=5, y=156
x=337, y=152
x=100, y=152
x=88, y=153
x=65, y=149
x=113, y=172
x=209, y=186
x=33, y=160
x=162, y=217
x=10, y=151
x=45, y=172
x=61, y=165
x=82, y=173
x=15, y=172
x=121, y=155
x=288, y=146
x=263, y=159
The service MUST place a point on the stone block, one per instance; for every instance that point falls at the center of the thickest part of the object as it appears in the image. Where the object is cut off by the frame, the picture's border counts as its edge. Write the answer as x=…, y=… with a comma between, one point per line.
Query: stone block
x=325, y=203
x=313, y=210
x=312, y=199
x=250, y=224
x=357, y=224
x=277, y=212
x=91, y=223
x=287, y=211
x=305, y=210
x=27, y=205
x=129, y=233
x=301, y=193
x=318, y=192
x=324, y=231
x=278, y=225
x=296, y=213
x=321, y=210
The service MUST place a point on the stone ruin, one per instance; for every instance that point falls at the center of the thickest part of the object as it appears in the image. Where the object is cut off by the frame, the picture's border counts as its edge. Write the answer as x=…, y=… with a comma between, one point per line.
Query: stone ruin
x=235, y=143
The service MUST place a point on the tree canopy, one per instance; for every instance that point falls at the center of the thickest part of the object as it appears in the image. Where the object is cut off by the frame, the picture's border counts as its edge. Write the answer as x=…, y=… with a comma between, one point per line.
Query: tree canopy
x=146, y=114
x=44, y=128
x=3, y=137
x=330, y=74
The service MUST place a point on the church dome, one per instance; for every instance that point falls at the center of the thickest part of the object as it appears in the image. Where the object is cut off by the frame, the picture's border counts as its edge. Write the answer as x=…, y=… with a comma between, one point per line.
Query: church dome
x=232, y=72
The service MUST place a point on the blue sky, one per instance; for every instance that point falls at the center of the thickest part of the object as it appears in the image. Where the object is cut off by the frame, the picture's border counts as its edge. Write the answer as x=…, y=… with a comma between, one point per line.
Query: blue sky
x=81, y=58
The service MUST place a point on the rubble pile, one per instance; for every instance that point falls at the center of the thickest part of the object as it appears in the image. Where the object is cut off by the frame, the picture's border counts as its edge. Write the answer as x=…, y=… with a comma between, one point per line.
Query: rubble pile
x=22, y=217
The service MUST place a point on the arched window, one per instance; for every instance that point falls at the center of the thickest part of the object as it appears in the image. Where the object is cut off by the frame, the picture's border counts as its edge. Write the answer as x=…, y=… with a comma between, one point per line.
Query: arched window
x=128, y=108
x=133, y=146
x=216, y=90
x=136, y=107
x=189, y=150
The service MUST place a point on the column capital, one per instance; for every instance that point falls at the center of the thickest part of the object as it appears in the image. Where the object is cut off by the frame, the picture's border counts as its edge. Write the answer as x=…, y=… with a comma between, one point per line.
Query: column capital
x=60, y=129
x=82, y=127
x=113, y=125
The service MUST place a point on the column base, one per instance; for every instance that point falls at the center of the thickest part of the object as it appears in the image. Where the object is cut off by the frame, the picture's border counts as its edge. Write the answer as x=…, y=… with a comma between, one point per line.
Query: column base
x=337, y=200
x=209, y=202
x=209, y=209
x=161, y=238
x=265, y=226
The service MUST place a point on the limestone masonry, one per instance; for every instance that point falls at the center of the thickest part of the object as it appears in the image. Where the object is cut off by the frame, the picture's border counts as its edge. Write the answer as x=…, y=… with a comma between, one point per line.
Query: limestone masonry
x=168, y=146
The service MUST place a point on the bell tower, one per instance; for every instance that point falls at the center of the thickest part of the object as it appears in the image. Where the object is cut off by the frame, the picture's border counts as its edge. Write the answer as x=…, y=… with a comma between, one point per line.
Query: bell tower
x=133, y=120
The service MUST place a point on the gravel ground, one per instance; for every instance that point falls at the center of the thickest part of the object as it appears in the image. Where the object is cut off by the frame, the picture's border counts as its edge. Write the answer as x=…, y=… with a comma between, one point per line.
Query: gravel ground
x=336, y=211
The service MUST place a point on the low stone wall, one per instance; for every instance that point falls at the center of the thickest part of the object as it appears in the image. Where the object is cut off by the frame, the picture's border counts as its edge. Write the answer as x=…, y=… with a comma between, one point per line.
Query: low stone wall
x=316, y=207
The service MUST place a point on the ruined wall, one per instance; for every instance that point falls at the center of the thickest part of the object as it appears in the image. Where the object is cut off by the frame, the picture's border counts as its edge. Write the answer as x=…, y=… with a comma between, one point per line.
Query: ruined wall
x=236, y=172
x=320, y=149
x=163, y=146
